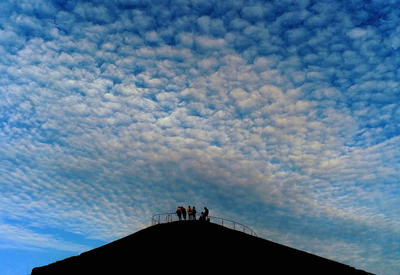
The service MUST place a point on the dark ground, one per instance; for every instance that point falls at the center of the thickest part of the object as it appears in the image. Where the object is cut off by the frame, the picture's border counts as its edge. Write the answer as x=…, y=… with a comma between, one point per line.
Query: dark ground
x=193, y=247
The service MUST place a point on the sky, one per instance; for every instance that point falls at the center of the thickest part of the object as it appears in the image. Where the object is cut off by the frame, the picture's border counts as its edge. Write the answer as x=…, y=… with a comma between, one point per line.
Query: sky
x=281, y=115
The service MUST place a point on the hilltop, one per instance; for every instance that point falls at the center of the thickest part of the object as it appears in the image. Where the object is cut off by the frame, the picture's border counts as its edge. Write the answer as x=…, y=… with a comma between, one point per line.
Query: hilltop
x=194, y=247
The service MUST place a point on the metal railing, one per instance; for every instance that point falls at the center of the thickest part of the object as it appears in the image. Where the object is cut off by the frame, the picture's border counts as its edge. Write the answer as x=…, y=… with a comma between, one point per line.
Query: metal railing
x=172, y=217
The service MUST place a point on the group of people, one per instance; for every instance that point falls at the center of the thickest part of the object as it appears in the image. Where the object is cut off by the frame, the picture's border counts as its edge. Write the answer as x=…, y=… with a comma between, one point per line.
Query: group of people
x=191, y=212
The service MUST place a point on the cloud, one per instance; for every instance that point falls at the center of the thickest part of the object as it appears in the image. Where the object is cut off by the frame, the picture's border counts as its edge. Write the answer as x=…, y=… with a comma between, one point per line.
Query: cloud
x=23, y=238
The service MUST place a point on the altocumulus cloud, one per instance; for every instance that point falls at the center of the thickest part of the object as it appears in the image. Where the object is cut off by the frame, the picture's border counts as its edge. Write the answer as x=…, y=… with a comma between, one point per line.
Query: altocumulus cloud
x=280, y=114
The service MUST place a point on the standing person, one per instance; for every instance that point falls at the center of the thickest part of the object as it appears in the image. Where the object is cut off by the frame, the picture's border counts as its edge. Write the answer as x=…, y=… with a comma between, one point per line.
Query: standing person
x=189, y=211
x=194, y=212
x=179, y=213
x=183, y=212
x=205, y=213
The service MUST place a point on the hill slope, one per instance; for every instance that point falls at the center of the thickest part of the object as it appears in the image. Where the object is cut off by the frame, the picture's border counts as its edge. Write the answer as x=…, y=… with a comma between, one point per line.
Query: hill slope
x=194, y=247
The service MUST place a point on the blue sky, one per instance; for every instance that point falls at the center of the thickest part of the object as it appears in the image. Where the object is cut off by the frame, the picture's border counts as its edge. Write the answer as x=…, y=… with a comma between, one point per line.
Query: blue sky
x=282, y=115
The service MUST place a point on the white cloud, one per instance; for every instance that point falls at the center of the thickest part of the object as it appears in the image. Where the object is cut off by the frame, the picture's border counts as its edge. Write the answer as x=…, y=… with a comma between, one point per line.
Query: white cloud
x=16, y=237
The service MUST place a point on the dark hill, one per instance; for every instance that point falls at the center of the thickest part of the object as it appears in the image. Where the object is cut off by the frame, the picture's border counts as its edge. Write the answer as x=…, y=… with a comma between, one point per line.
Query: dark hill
x=193, y=247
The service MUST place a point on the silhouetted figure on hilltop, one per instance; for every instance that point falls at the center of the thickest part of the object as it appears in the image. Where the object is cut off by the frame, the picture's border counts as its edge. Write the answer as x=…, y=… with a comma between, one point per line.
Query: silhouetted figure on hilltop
x=183, y=212
x=203, y=217
x=194, y=213
x=179, y=212
x=189, y=211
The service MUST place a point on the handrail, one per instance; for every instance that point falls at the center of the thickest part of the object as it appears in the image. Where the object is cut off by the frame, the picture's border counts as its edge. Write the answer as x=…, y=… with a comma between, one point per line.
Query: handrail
x=172, y=217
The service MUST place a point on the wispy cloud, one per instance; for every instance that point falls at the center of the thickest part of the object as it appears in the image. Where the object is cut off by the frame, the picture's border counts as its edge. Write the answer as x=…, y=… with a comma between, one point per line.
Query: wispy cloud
x=23, y=238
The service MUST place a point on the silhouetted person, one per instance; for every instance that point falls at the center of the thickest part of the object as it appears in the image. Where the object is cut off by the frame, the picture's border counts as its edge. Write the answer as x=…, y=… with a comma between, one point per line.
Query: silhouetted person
x=203, y=217
x=179, y=213
x=205, y=213
x=183, y=212
x=194, y=212
x=189, y=211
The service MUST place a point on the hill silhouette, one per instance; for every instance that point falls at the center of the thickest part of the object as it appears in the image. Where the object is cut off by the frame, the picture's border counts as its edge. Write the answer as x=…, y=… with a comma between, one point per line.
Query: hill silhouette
x=193, y=247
